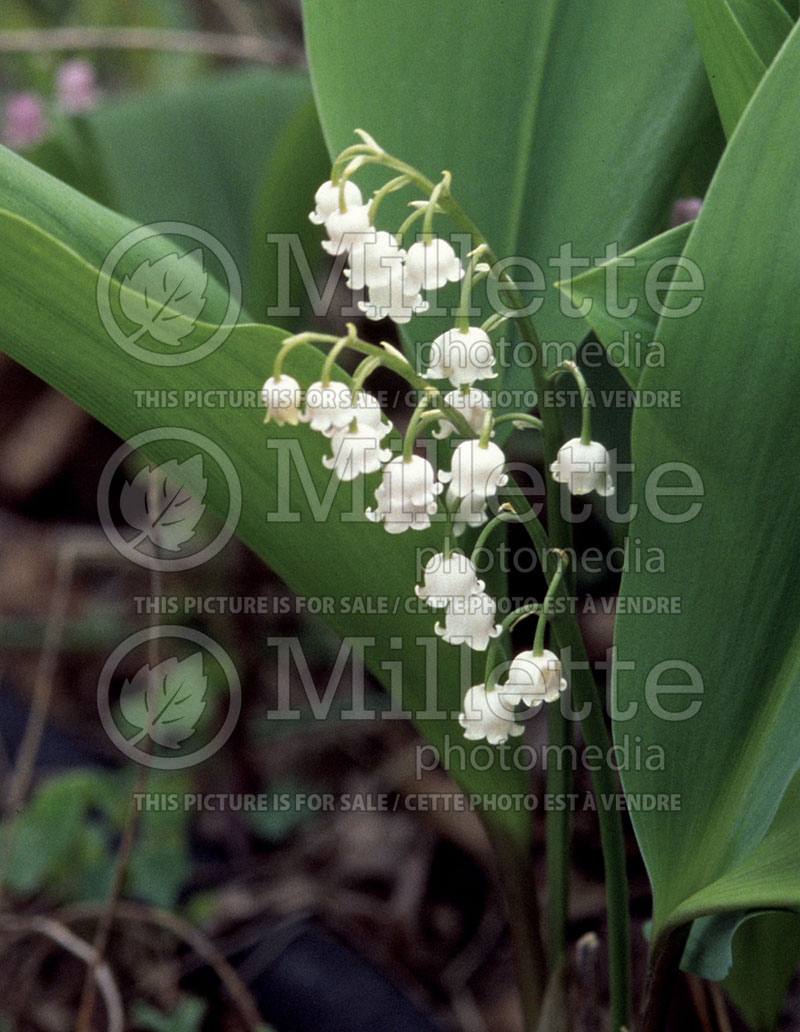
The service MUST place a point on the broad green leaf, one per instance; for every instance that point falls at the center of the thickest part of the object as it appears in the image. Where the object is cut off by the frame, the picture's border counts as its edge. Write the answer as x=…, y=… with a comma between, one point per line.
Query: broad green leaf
x=765, y=952
x=297, y=166
x=527, y=108
x=624, y=304
x=732, y=565
x=194, y=154
x=739, y=39
x=55, y=330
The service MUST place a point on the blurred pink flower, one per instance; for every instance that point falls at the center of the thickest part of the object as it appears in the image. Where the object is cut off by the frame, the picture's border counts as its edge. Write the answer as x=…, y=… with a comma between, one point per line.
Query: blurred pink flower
x=24, y=122
x=684, y=210
x=76, y=87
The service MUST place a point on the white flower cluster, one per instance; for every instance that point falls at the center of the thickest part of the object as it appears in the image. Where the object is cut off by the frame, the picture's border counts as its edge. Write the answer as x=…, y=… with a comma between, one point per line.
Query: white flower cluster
x=411, y=490
x=532, y=680
x=355, y=428
x=393, y=277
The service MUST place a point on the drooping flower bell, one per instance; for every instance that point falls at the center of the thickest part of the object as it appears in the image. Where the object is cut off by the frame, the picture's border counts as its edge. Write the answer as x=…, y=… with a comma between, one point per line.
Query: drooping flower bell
x=328, y=406
x=583, y=468
x=473, y=406
x=485, y=715
x=327, y=201
x=476, y=471
x=357, y=450
x=462, y=357
x=533, y=680
x=470, y=620
x=434, y=264
x=397, y=299
x=345, y=229
x=282, y=398
x=374, y=261
x=448, y=578
x=406, y=497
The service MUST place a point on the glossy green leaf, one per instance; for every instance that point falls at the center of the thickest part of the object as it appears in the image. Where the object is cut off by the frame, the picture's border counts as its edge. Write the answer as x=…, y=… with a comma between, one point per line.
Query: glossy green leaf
x=766, y=24
x=739, y=39
x=52, y=326
x=624, y=303
x=754, y=952
x=765, y=952
x=528, y=107
x=729, y=747
x=196, y=154
x=297, y=166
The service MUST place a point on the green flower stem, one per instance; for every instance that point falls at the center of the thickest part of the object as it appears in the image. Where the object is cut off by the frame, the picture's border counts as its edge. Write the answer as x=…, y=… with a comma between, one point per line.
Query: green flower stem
x=391, y=359
x=491, y=677
x=584, y=691
x=541, y=626
x=486, y=429
x=519, y=889
x=417, y=424
x=394, y=184
x=467, y=285
x=415, y=216
x=506, y=514
x=430, y=210
x=519, y=417
x=586, y=409
x=286, y=347
x=363, y=370
x=490, y=325
x=413, y=428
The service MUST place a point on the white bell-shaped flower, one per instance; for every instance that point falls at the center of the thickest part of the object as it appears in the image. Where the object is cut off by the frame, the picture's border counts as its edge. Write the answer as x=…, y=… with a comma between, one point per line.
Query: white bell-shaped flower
x=462, y=357
x=374, y=261
x=346, y=228
x=485, y=715
x=476, y=470
x=282, y=399
x=328, y=406
x=434, y=264
x=327, y=200
x=448, y=578
x=368, y=410
x=406, y=497
x=533, y=679
x=357, y=450
x=473, y=406
x=470, y=620
x=394, y=299
x=583, y=468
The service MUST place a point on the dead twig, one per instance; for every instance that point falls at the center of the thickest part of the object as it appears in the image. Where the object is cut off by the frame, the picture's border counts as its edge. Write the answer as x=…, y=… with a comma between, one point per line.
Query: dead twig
x=58, y=933
x=185, y=932
x=172, y=41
